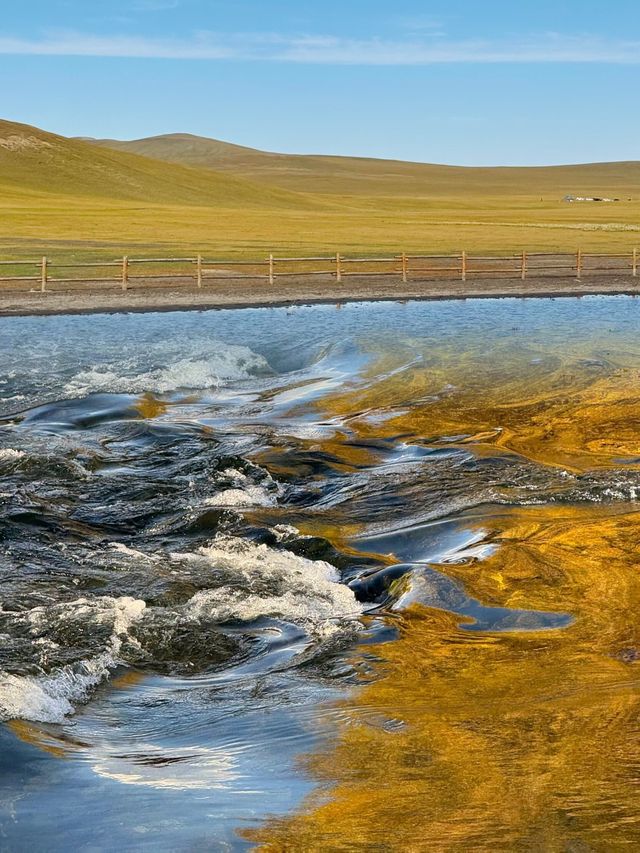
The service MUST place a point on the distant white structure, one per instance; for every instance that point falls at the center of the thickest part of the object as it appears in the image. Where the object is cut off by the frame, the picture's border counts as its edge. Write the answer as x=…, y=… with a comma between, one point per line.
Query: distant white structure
x=572, y=198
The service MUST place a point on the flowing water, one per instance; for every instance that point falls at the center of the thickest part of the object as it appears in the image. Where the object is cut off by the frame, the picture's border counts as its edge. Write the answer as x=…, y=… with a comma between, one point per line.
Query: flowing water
x=358, y=578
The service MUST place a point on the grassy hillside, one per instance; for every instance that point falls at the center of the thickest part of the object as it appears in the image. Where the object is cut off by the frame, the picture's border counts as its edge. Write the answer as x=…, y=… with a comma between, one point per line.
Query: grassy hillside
x=362, y=176
x=33, y=160
x=73, y=199
x=197, y=151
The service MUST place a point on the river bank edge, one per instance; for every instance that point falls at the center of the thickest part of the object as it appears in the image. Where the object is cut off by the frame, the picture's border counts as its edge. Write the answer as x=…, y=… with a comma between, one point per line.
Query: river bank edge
x=219, y=295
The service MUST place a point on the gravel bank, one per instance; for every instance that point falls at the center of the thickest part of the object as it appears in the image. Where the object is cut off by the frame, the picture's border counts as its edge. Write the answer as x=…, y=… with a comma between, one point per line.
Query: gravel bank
x=183, y=296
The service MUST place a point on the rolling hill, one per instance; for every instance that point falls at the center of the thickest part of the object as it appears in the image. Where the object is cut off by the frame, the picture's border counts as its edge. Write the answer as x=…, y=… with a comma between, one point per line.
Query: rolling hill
x=32, y=160
x=371, y=177
x=76, y=198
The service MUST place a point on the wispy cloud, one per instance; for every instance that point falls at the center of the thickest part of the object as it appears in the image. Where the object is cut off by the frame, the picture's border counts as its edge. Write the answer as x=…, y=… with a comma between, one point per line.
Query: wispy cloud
x=124, y=46
x=420, y=24
x=154, y=5
x=332, y=50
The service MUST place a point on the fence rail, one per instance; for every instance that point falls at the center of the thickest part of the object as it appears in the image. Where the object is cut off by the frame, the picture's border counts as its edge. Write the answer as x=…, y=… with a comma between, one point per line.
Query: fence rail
x=403, y=267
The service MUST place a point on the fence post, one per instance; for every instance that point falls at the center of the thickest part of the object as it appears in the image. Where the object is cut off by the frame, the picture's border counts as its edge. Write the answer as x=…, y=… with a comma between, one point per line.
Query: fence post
x=43, y=277
x=125, y=272
x=523, y=269
x=271, y=268
x=634, y=265
x=579, y=264
x=338, y=268
x=199, y=270
x=404, y=268
x=464, y=266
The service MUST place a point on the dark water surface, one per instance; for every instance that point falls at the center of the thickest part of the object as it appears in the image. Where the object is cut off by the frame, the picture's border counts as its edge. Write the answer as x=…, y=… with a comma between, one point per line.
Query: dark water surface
x=295, y=577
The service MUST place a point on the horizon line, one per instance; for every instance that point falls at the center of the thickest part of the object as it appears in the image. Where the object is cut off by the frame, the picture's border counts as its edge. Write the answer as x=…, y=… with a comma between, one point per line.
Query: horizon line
x=353, y=156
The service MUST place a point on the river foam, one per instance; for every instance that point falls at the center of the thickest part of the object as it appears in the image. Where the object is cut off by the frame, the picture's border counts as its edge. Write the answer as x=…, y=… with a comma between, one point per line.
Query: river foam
x=243, y=492
x=263, y=581
x=8, y=454
x=220, y=364
x=50, y=698
x=254, y=582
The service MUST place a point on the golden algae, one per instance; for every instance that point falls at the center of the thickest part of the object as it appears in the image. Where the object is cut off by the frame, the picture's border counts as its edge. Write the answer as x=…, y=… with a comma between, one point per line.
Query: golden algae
x=561, y=408
x=488, y=740
x=497, y=740
x=35, y=736
x=149, y=406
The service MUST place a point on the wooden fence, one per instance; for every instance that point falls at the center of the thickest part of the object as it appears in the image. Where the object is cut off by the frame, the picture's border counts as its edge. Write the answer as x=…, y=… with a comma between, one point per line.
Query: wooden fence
x=127, y=272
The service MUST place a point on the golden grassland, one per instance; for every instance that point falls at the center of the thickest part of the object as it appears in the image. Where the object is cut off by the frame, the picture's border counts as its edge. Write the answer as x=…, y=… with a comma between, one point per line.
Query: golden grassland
x=362, y=176
x=74, y=200
x=80, y=227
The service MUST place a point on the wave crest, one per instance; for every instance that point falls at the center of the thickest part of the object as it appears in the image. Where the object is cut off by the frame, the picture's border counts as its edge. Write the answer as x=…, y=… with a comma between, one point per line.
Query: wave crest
x=221, y=363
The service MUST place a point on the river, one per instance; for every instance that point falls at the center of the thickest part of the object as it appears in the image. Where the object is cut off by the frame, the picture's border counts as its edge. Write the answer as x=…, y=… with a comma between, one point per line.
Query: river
x=357, y=577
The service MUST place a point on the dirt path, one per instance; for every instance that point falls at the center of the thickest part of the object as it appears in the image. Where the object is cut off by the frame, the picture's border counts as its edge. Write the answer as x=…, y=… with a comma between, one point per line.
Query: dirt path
x=182, y=296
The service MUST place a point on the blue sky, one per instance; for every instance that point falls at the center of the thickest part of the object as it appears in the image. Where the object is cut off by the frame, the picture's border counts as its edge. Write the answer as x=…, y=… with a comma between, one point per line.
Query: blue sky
x=462, y=81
